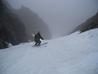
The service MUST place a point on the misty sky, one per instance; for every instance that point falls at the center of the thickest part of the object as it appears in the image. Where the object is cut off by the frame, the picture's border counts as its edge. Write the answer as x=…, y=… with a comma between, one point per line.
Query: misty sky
x=62, y=16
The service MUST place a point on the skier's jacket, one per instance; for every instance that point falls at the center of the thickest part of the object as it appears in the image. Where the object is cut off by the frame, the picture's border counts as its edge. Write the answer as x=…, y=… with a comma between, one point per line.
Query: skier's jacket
x=37, y=37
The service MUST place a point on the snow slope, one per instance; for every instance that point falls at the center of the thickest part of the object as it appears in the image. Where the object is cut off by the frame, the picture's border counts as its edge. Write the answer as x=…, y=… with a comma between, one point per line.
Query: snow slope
x=74, y=54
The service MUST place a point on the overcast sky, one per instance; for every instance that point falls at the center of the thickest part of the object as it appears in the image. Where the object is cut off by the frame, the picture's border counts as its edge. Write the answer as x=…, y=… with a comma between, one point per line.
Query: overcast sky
x=62, y=16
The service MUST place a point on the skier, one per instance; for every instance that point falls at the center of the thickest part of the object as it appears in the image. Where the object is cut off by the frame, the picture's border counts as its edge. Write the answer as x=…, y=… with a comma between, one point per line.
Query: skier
x=37, y=38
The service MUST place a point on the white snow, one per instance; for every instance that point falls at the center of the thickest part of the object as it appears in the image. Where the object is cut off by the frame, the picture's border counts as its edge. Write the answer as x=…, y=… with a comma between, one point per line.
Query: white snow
x=74, y=54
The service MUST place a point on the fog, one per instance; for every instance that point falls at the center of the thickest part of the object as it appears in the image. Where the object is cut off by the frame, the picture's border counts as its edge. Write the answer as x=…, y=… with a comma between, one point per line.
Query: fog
x=61, y=16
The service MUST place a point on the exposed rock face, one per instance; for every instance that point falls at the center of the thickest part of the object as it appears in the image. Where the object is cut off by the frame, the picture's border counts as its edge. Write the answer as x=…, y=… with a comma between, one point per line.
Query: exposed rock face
x=89, y=24
x=32, y=22
x=12, y=29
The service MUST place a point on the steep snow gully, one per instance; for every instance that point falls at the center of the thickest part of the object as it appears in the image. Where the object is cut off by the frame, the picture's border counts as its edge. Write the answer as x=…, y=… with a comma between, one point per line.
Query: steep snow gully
x=74, y=54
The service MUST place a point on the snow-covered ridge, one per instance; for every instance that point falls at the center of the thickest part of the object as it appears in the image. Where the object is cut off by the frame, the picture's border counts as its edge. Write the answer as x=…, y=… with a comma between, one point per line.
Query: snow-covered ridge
x=74, y=54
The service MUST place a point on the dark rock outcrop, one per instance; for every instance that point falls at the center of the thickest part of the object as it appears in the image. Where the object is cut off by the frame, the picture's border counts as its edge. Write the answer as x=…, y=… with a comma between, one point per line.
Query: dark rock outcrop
x=89, y=24
x=12, y=29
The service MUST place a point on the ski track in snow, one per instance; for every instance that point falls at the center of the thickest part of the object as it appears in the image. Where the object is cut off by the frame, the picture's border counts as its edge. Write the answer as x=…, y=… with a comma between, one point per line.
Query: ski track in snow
x=74, y=54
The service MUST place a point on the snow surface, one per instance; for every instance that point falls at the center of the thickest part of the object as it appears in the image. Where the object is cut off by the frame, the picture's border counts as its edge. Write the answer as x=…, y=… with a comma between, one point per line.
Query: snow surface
x=74, y=54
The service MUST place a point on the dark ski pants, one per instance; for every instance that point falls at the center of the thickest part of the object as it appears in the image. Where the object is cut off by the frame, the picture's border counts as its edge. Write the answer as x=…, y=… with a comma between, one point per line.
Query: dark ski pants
x=37, y=43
